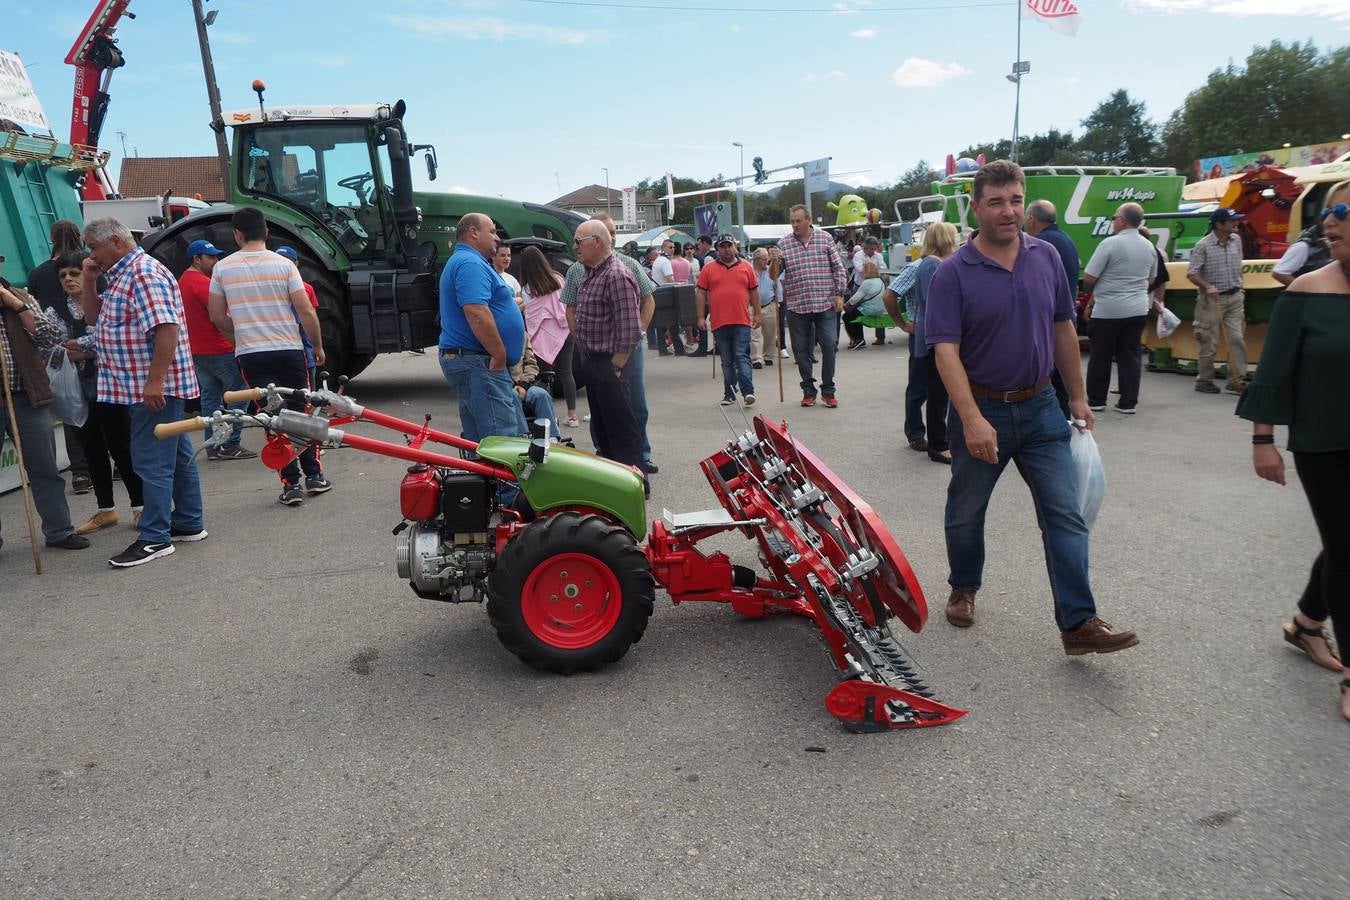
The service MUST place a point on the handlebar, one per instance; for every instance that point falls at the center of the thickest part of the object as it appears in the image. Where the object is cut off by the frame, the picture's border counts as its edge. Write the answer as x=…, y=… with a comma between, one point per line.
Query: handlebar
x=232, y=397
x=173, y=429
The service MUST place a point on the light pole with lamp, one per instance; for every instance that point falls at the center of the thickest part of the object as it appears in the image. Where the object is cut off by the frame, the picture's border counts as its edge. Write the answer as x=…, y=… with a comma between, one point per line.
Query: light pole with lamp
x=740, y=190
x=606, y=171
x=1020, y=67
x=204, y=20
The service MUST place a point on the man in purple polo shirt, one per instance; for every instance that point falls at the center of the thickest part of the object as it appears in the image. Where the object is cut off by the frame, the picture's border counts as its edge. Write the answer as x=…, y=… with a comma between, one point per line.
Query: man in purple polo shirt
x=1000, y=318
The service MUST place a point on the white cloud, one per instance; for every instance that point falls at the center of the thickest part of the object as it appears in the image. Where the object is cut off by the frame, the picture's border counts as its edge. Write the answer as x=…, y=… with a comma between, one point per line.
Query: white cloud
x=864, y=33
x=1244, y=8
x=238, y=38
x=736, y=29
x=832, y=75
x=917, y=72
x=484, y=27
x=842, y=9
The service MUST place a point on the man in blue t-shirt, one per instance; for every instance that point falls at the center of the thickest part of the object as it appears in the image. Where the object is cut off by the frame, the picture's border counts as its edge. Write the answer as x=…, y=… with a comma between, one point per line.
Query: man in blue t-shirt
x=1000, y=317
x=482, y=333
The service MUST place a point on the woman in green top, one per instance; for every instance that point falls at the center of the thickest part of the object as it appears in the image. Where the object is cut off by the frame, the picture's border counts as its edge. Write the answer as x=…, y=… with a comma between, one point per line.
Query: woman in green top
x=1303, y=382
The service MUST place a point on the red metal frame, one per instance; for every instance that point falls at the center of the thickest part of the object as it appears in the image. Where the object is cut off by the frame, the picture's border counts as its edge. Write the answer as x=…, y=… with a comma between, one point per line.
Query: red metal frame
x=88, y=83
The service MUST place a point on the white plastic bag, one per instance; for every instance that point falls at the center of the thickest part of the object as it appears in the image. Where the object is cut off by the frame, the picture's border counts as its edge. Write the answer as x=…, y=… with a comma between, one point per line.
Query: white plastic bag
x=1167, y=322
x=1091, y=476
x=68, y=402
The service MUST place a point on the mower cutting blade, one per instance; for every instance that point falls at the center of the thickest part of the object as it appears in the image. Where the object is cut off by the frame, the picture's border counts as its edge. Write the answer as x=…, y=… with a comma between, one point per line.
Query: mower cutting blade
x=893, y=578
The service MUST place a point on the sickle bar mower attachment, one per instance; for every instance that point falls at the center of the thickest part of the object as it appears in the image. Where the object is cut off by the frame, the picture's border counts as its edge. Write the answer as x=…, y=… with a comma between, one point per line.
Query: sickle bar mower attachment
x=830, y=558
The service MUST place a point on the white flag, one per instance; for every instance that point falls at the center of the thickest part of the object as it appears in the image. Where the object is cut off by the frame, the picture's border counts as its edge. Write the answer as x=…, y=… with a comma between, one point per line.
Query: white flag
x=1061, y=15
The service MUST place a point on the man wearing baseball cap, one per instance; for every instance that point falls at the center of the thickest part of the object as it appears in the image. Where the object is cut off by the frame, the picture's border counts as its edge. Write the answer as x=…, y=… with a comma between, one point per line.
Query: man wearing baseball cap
x=212, y=353
x=729, y=288
x=1216, y=269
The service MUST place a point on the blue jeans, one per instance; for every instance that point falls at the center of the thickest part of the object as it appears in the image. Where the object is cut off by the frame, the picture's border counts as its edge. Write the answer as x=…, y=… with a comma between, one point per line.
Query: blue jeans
x=1035, y=436
x=218, y=373
x=826, y=325
x=488, y=403
x=173, y=492
x=538, y=404
x=733, y=345
x=916, y=392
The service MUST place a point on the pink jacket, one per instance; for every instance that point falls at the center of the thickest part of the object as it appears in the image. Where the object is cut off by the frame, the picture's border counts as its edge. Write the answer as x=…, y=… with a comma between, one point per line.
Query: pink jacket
x=546, y=323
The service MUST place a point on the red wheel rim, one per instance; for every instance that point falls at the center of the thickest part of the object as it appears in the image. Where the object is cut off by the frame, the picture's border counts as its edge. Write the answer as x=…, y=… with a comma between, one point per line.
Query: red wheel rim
x=571, y=600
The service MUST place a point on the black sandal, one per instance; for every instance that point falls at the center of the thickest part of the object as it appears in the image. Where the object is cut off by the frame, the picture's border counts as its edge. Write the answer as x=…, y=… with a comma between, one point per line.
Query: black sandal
x=1299, y=638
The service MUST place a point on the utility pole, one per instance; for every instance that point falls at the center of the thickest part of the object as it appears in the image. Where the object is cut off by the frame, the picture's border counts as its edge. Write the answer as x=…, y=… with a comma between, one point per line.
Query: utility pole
x=212, y=92
x=606, y=171
x=740, y=192
x=1020, y=68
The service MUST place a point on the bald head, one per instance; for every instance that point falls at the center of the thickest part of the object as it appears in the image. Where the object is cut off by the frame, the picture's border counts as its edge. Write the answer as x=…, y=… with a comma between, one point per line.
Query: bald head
x=592, y=241
x=1041, y=214
x=478, y=231
x=1130, y=214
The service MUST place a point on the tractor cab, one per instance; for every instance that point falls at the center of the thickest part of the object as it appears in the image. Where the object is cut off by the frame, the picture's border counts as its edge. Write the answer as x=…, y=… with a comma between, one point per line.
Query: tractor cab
x=346, y=168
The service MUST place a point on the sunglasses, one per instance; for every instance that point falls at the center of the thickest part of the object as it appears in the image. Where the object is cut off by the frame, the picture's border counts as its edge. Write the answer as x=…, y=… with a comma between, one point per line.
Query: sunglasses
x=1341, y=211
x=579, y=241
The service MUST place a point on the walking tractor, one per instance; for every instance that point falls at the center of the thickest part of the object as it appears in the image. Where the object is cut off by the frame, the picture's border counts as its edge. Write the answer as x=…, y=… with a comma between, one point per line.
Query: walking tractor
x=551, y=538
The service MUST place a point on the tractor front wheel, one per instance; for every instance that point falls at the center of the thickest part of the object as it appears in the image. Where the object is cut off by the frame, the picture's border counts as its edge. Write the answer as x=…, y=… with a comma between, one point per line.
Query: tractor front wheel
x=570, y=593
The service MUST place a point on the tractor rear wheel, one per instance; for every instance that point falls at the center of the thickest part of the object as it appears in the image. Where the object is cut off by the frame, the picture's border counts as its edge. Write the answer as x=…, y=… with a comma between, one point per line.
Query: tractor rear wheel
x=570, y=593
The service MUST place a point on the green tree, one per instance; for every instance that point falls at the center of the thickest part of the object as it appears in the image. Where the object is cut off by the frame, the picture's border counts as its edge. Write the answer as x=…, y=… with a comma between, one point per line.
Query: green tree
x=1118, y=133
x=1284, y=94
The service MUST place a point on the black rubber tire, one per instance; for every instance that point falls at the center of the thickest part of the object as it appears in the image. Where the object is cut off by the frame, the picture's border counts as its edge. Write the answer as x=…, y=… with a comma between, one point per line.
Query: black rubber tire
x=569, y=532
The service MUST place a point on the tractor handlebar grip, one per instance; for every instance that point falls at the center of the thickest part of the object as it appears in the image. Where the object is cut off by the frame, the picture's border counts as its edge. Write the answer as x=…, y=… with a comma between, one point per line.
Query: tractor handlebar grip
x=240, y=396
x=173, y=429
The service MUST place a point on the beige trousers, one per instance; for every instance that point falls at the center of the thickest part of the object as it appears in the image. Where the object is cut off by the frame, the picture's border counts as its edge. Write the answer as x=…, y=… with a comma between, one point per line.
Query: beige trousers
x=1228, y=314
x=765, y=335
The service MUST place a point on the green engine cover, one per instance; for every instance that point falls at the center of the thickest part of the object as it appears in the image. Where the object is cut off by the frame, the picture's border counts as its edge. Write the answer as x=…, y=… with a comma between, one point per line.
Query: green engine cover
x=571, y=477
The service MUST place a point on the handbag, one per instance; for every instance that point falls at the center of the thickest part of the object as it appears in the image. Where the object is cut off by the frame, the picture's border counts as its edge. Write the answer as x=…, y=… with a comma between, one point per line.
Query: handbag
x=68, y=401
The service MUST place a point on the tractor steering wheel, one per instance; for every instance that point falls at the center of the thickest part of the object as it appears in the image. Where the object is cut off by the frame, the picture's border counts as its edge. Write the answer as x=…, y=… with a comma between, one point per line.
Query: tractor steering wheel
x=357, y=184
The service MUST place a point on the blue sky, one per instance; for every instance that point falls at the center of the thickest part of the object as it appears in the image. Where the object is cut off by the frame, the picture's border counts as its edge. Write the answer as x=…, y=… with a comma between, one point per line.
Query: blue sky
x=531, y=99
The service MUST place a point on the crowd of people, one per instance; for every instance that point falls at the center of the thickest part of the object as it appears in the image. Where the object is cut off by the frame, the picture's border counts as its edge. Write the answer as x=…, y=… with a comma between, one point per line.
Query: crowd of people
x=994, y=366
x=145, y=345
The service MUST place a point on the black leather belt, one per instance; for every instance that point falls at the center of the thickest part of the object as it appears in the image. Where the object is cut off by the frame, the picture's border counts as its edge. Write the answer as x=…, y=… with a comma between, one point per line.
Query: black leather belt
x=452, y=352
x=1020, y=395
x=1229, y=291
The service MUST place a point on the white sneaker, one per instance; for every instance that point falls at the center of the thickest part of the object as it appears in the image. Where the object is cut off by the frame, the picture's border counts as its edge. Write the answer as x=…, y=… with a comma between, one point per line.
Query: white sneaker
x=784, y=353
x=749, y=399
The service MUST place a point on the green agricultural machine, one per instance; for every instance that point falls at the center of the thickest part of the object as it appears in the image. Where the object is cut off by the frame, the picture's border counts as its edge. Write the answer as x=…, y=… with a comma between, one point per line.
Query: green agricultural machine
x=335, y=183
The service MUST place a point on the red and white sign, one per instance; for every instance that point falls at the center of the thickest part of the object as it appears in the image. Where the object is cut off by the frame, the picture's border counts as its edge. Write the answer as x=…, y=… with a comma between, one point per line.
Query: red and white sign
x=1061, y=15
x=630, y=206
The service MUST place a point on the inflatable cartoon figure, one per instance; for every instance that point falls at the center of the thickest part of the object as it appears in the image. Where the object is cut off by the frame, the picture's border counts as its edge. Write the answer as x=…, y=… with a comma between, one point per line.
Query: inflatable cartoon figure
x=851, y=210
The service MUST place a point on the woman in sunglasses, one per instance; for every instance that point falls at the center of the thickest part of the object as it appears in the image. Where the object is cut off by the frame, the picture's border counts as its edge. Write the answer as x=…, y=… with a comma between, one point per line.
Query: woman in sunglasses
x=1302, y=382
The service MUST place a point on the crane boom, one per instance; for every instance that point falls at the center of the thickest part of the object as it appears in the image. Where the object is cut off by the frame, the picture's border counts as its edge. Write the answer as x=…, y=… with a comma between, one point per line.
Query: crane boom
x=94, y=56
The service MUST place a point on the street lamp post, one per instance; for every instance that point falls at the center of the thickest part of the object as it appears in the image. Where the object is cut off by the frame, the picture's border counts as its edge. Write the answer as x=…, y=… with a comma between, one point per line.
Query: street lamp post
x=740, y=189
x=606, y=171
x=212, y=92
x=1020, y=68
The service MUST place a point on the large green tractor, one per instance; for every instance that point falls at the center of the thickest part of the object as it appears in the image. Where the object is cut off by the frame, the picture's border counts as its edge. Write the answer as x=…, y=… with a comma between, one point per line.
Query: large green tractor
x=335, y=183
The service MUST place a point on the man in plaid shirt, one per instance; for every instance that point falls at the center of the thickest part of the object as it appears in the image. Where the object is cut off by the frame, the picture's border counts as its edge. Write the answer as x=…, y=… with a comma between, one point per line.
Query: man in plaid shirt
x=814, y=280
x=608, y=327
x=145, y=363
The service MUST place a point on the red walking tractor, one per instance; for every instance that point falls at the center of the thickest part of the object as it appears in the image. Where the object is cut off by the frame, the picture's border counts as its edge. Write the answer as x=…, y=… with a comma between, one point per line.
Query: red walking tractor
x=552, y=538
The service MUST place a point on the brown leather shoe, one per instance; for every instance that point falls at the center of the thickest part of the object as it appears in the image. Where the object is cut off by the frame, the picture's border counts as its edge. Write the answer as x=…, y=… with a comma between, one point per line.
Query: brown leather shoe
x=1095, y=636
x=961, y=607
x=104, y=518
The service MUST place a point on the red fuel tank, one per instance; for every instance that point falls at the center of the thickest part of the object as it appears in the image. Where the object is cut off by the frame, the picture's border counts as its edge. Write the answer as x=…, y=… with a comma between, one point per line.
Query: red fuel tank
x=419, y=495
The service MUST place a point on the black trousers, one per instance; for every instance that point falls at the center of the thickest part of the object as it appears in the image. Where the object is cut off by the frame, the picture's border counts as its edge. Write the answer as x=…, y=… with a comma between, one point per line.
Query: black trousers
x=107, y=432
x=1326, y=481
x=284, y=368
x=936, y=412
x=856, y=333
x=613, y=424
x=1115, y=339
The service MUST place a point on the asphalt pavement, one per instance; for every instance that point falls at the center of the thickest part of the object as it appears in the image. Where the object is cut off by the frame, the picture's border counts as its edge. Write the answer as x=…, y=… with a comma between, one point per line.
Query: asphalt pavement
x=271, y=712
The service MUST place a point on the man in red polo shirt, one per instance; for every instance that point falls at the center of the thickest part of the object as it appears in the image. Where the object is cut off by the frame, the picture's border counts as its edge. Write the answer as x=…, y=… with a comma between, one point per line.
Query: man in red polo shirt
x=212, y=354
x=729, y=287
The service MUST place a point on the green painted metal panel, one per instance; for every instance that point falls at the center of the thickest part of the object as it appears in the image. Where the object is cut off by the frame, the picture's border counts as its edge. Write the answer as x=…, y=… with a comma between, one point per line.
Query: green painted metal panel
x=573, y=478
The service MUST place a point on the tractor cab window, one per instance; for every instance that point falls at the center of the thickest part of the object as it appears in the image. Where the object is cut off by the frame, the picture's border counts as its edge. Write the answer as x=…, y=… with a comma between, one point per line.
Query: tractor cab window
x=327, y=171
